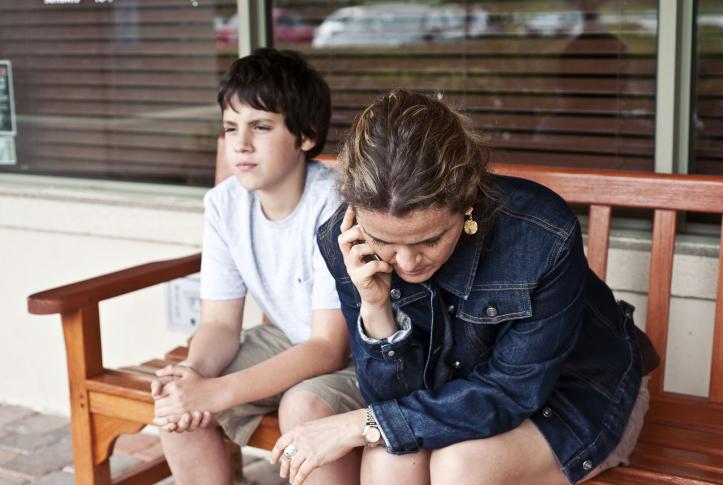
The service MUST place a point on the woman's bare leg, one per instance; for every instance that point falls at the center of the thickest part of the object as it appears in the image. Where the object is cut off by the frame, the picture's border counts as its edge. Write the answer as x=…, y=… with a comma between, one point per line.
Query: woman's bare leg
x=520, y=456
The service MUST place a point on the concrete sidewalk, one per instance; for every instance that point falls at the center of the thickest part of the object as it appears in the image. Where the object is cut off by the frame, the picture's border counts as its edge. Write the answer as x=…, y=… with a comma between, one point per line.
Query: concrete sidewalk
x=36, y=448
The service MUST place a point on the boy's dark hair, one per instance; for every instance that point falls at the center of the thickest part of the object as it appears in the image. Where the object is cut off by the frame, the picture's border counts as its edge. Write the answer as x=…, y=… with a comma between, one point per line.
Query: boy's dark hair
x=281, y=82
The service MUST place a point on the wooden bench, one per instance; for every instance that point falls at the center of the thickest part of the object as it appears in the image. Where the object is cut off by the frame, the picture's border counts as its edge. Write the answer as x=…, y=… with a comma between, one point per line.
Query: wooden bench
x=681, y=442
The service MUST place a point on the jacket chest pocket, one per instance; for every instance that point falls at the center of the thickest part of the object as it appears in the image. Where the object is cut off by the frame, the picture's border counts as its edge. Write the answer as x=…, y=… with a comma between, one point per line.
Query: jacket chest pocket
x=478, y=318
x=495, y=306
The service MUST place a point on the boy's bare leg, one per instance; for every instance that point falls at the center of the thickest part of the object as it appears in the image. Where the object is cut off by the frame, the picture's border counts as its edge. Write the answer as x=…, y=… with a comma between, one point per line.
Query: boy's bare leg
x=520, y=456
x=379, y=467
x=197, y=456
x=298, y=407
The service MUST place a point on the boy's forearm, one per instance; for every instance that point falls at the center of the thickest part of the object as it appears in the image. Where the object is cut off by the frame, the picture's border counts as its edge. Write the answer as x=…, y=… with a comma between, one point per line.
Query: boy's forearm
x=212, y=349
x=279, y=373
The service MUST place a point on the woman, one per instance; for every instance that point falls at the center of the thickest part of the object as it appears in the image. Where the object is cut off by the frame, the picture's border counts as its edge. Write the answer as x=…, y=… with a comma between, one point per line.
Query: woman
x=487, y=349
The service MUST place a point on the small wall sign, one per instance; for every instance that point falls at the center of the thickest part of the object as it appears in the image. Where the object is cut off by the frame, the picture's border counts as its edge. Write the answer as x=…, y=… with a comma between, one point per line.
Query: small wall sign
x=7, y=101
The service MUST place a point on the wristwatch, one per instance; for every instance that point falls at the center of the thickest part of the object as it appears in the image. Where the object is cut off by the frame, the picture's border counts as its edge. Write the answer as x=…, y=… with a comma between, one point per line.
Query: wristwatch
x=371, y=432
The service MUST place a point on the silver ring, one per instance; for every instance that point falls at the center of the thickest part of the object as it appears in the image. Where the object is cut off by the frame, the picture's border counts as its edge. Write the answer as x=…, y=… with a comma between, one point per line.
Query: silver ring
x=290, y=451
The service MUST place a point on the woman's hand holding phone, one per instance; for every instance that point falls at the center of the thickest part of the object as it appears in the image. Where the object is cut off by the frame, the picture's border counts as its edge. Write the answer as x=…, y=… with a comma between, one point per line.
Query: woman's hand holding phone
x=371, y=276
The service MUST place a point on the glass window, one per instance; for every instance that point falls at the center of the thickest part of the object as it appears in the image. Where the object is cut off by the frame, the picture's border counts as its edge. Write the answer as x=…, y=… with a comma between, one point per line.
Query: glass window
x=566, y=82
x=122, y=89
x=707, y=118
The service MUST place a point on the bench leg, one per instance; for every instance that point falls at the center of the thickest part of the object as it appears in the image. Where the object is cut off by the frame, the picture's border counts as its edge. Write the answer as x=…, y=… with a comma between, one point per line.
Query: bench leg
x=87, y=471
x=81, y=332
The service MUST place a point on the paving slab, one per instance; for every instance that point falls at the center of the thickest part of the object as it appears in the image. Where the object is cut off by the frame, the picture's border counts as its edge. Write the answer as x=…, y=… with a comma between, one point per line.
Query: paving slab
x=36, y=424
x=261, y=472
x=26, y=443
x=9, y=413
x=6, y=456
x=8, y=479
x=62, y=433
x=41, y=462
x=56, y=478
x=120, y=464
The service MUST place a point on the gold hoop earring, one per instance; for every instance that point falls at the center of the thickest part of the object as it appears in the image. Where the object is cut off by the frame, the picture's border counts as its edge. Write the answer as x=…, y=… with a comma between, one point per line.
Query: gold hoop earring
x=470, y=225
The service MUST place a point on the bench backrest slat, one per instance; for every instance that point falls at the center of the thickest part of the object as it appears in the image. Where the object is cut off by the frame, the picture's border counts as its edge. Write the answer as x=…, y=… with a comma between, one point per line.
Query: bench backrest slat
x=597, y=239
x=660, y=279
x=716, y=372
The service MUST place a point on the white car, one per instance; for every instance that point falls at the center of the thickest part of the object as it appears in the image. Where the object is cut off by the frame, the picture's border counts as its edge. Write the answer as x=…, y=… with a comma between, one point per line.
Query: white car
x=391, y=24
x=395, y=24
x=456, y=22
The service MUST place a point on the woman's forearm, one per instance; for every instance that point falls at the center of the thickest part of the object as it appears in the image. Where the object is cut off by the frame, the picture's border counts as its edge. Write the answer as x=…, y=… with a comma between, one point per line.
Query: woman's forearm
x=378, y=321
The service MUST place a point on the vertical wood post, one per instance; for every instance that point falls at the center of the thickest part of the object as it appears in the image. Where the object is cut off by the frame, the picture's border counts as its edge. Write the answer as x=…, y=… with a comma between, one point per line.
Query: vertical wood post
x=81, y=330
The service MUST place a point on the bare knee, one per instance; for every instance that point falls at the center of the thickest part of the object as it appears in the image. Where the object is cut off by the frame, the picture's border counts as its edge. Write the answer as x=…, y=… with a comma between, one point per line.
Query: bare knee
x=455, y=464
x=380, y=467
x=519, y=456
x=197, y=456
x=298, y=407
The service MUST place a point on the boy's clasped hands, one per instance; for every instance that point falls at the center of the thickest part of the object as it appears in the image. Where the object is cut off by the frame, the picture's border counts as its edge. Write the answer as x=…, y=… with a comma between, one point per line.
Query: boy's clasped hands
x=184, y=399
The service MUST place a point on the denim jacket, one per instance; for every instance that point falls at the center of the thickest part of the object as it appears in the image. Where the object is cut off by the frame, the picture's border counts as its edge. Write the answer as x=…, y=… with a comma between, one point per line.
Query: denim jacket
x=514, y=325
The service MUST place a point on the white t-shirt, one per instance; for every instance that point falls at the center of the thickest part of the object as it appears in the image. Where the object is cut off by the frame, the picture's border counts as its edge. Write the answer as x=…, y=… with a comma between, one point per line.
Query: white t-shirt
x=278, y=262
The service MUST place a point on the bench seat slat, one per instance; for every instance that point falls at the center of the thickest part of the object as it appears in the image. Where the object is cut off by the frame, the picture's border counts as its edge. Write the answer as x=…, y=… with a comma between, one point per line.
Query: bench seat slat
x=704, y=461
x=689, y=439
x=122, y=384
x=651, y=474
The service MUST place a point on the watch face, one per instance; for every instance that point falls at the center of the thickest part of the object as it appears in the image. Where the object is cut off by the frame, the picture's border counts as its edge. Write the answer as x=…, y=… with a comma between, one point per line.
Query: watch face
x=372, y=435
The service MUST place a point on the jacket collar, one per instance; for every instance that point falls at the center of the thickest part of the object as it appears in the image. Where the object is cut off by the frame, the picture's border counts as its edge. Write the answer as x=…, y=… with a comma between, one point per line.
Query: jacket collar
x=457, y=274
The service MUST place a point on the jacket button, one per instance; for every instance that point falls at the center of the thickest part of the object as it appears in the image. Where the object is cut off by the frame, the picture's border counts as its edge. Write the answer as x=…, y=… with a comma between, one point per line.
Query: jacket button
x=395, y=294
x=547, y=412
x=491, y=311
x=391, y=353
x=450, y=309
x=587, y=465
x=456, y=364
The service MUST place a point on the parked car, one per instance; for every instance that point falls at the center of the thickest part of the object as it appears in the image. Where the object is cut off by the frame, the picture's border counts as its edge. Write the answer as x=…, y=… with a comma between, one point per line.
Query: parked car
x=395, y=24
x=391, y=25
x=456, y=22
x=288, y=28
x=548, y=24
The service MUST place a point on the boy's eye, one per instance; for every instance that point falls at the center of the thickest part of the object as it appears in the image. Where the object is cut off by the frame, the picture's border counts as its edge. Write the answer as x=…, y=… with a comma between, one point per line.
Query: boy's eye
x=376, y=243
x=263, y=127
x=431, y=243
x=228, y=129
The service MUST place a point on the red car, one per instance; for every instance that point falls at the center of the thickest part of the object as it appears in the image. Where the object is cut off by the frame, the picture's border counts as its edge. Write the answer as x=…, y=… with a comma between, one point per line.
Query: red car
x=288, y=26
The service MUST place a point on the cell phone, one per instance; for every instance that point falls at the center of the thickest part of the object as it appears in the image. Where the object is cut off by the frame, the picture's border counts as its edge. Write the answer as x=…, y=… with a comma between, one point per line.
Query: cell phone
x=369, y=257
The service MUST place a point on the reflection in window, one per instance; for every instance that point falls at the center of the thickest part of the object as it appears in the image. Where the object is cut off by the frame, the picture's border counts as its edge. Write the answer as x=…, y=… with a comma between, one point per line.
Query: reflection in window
x=707, y=122
x=566, y=82
x=120, y=90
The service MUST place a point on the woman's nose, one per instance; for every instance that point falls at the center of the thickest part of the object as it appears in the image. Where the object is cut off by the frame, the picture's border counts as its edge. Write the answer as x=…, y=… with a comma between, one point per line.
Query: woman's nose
x=407, y=259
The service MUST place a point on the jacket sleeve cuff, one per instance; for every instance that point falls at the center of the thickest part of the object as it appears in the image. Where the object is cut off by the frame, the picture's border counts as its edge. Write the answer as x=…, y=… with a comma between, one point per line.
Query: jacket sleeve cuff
x=405, y=328
x=397, y=434
x=389, y=348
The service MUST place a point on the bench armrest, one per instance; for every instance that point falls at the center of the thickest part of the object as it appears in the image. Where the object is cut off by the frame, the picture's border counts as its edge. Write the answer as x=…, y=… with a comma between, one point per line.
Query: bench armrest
x=83, y=293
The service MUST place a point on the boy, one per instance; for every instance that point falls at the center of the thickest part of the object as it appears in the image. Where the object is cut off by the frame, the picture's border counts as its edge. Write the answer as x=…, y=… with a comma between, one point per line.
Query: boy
x=259, y=236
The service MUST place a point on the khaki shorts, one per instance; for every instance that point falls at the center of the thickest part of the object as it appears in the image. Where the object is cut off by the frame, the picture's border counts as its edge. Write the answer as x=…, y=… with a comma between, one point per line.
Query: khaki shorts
x=339, y=390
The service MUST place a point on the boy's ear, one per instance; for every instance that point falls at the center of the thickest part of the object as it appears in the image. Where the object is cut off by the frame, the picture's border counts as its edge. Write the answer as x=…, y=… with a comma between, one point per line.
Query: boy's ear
x=307, y=144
